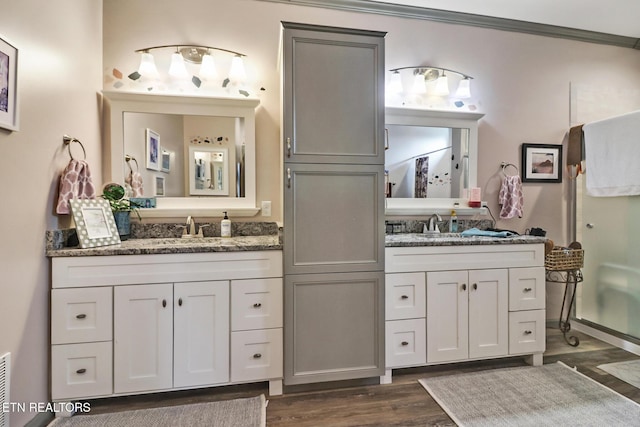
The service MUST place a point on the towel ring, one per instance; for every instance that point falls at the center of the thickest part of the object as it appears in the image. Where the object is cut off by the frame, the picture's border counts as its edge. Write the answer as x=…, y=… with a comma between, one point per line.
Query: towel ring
x=506, y=165
x=68, y=140
x=128, y=159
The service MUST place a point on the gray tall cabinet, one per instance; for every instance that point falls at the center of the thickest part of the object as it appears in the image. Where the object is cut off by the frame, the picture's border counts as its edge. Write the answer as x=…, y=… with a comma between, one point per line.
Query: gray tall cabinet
x=333, y=151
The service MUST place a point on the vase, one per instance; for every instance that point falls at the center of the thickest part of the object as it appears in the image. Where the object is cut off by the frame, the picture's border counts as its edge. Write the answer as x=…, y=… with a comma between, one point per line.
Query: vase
x=123, y=224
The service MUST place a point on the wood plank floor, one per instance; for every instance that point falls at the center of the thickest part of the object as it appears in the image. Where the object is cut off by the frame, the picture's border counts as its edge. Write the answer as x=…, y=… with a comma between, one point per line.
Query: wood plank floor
x=402, y=403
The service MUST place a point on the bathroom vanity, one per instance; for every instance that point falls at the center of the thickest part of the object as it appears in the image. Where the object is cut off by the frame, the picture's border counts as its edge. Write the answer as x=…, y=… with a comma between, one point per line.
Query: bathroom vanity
x=153, y=315
x=451, y=298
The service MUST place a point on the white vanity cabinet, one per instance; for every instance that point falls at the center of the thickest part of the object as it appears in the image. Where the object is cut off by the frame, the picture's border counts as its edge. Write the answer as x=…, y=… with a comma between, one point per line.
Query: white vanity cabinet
x=129, y=324
x=466, y=302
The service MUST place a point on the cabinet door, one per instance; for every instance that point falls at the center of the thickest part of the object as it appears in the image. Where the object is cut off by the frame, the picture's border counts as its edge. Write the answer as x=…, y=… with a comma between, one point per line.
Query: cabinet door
x=447, y=316
x=334, y=327
x=488, y=313
x=333, y=83
x=143, y=337
x=201, y=333
x=334, y=218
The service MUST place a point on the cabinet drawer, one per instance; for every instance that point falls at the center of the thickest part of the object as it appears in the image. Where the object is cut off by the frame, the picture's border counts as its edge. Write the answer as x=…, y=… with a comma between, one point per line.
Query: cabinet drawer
x=405, y=296
x=526, y=288
x=527, y=331
x=256, y=355
x=81, y=370
x=256, y=304
x=406, y=343
x=81, y=315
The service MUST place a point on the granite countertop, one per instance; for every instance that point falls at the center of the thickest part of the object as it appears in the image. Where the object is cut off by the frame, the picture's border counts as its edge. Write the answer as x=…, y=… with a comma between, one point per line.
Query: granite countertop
x=148, y=239
x=455, y=239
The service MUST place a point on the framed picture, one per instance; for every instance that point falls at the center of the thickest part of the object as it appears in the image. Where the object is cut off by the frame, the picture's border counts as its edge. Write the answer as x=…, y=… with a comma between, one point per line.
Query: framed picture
x=8, y=85
x=166, y=161
x=541, y=163
x=159, y=186
x=95, y=225
x=153, y=150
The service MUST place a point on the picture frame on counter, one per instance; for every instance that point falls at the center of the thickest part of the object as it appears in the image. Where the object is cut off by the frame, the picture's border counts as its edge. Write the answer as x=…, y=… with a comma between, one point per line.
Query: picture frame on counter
x=8, y=85
x=541, y=163
x=95, y=225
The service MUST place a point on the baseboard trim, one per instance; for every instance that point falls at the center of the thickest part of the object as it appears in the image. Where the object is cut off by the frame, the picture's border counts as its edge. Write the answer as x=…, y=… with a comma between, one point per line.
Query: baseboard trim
x=608, y=338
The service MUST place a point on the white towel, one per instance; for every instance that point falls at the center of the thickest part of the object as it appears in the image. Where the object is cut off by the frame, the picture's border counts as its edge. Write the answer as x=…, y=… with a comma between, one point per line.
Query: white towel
x=612, y=155
x=510, y=197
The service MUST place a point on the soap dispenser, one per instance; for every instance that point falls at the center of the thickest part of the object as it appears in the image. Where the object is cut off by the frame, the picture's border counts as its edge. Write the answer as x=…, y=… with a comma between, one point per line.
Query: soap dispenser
x=453, y=222
x=225, y=226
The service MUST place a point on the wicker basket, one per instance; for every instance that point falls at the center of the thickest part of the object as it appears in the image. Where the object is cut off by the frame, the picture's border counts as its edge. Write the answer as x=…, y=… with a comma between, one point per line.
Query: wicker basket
x=564, y=259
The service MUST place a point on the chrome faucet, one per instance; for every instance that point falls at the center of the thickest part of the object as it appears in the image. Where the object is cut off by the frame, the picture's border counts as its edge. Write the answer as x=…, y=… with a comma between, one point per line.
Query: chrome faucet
x=190, y=229
x=433, y=225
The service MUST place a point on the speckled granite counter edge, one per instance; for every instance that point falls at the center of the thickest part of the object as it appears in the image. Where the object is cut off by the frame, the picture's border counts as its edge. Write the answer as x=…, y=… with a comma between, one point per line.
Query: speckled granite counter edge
x=412, y=240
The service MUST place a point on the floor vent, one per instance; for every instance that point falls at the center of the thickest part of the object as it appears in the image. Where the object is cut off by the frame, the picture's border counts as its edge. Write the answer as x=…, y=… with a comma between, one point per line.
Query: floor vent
x=5, y=365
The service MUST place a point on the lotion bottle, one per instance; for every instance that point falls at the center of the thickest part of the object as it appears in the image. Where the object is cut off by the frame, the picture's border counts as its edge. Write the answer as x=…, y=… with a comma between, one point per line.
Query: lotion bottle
x=453, y=222
x=225, y=226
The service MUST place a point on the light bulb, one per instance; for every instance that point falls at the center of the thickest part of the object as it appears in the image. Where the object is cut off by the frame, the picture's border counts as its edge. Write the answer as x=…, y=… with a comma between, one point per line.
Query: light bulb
x=237, y=73
x=419, y=85
x=147, y=66
x=177, y=68
x=442, y=86
x=464, y=88
x=208, y=68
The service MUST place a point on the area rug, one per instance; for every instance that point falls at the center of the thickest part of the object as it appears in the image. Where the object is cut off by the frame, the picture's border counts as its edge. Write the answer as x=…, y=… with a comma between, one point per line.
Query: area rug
x=549, y=395
x=250, y=412
x=628, y=371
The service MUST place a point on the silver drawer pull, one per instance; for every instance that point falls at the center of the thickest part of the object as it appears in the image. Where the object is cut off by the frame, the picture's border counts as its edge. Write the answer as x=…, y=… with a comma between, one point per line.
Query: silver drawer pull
x=257, y=356
x=81, y=316
x=404, y=297
x=528, y=289
x=528, y=332
x=288, y=147
x=81, y=371
x=404, y=343
x=257, y=305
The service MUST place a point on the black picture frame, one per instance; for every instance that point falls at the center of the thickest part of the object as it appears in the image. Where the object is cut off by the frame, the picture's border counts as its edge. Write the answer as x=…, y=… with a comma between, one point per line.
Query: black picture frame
x=541, y=163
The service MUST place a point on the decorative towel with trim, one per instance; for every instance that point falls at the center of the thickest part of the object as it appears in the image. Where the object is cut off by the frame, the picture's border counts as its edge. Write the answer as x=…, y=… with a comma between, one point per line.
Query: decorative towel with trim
x=611, y=155
x=75, y=183
x=134, y=179
x=510, y=197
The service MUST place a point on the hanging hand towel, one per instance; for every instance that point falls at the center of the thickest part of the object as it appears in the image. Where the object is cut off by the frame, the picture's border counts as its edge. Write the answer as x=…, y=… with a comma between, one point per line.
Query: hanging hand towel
x=75, y=183
x=510, y=197
x=134, y=179
x=612, y=152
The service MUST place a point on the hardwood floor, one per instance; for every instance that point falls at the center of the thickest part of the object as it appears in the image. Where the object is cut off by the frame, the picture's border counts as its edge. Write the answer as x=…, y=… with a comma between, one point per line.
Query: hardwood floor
x=402, y=403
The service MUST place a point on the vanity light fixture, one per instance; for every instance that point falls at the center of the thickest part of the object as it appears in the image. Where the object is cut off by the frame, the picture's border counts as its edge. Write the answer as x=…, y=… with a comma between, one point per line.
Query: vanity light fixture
x=432, y=80
x=194, y=54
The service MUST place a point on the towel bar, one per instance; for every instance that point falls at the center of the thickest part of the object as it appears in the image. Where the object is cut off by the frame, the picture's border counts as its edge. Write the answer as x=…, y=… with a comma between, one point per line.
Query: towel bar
x=68, y=140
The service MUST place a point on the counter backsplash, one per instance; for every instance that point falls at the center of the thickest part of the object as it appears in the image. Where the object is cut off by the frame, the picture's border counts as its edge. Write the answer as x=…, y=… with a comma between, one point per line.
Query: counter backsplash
x=414, y=226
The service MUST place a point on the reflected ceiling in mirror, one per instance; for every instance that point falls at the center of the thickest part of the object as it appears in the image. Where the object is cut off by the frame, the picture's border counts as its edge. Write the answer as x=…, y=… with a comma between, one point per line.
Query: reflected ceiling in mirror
x=190, y=120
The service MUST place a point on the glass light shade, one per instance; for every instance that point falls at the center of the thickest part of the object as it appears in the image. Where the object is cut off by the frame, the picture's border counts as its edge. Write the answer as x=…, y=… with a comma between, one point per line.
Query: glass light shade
x=464, y=89
x=208, y=68
x=177, y=68
x=395, y=84
x=419, y=86
x=237, y=73
x=442, y=86
x=147, y=66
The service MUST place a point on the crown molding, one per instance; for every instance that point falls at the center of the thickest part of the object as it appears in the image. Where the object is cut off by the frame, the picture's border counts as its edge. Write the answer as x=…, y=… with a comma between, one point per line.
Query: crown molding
x=459, y=18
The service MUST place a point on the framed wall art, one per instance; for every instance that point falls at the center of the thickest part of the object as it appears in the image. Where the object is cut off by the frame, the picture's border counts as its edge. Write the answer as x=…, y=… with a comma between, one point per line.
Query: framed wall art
x=166, y=161
x=95, y=224
x=159, y=186
x=8, y=85
x=541, y=163
x=153, y=150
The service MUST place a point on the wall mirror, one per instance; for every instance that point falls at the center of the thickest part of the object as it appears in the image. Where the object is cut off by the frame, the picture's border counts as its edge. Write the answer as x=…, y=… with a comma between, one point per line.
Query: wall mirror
x=220, y=129
x=430, y=160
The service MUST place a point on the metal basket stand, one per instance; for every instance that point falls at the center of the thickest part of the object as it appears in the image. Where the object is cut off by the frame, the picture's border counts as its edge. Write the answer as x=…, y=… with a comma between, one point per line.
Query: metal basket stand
x=563, y=266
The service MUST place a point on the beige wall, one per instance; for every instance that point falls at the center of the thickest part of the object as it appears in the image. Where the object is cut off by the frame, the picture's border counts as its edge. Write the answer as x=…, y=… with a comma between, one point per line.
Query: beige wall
x=60, y=74
x=522, y=81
